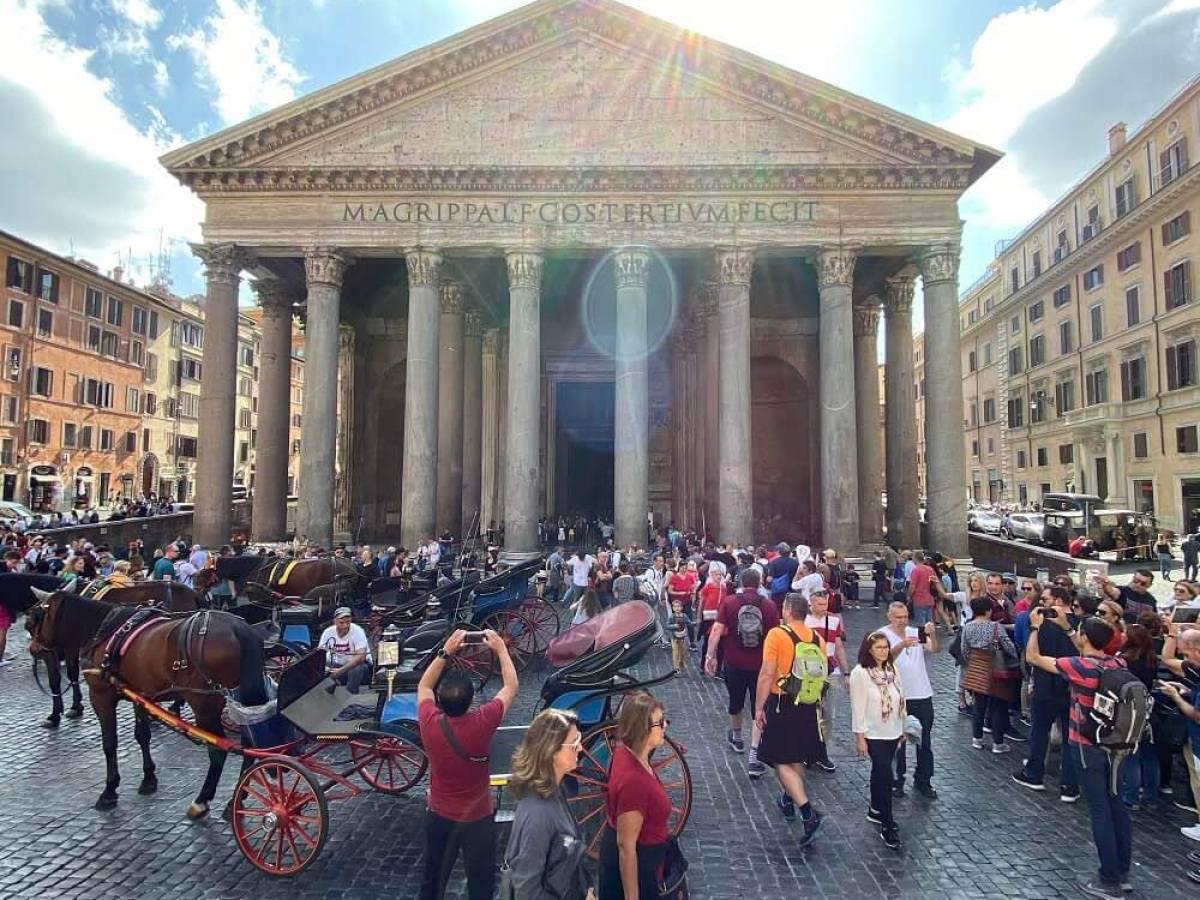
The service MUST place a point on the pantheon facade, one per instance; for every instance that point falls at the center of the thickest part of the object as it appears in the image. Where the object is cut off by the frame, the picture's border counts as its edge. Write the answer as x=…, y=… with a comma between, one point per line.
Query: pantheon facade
x=577, y=260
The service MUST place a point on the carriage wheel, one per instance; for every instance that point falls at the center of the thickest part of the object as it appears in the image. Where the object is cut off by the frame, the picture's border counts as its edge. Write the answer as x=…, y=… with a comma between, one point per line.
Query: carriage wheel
x=587, y=786
x=519, y=634
x=476, y=660
x=545, y=620
x=388, y=763
x=280, y=816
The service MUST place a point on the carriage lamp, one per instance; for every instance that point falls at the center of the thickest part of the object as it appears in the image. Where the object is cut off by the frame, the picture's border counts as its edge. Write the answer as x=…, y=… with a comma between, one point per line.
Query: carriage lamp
x=388, y=648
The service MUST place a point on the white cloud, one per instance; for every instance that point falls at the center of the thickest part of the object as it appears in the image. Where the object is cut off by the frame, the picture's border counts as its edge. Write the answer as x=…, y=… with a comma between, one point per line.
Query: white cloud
x=242, y=59
x=138, y=12
x=80, y=173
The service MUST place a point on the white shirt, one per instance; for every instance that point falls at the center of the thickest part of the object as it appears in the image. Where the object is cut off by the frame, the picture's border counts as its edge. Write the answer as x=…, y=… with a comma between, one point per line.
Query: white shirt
x=184, y=571
x=910, y=663
x=867, y=709
x=808, y=584
x=580, y=569
x=340, y=649
x=908, y=569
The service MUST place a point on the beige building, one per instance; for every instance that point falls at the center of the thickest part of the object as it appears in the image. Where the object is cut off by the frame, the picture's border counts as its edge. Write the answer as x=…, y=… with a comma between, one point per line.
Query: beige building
x=1079, y=342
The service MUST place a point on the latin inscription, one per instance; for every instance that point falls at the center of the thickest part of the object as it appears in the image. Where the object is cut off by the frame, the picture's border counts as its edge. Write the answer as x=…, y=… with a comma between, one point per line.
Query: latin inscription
x=554, y=212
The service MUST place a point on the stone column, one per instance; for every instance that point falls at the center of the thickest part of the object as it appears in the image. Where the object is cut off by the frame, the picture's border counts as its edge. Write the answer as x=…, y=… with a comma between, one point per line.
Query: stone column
x=450, y=410
x=417, y=510
x=1117, y=498
x=735, y=499
x=274, y=420
x=501, y=425
x=318, y=427
x=631, y=465
x=866, y=403
x=491, y=427
x=900, y=418
x=344, y=517
x=680, y=444
x=711, y=403
x=218, y=399
x=694, y=429
x=521, y=478
x=945, y=462
x=839, y=445
x=472, y=443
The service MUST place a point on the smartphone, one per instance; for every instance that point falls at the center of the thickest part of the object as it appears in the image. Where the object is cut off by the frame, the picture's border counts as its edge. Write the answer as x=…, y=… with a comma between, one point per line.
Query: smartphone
x=472, y=637
x=922, y=635
x=1050, y=613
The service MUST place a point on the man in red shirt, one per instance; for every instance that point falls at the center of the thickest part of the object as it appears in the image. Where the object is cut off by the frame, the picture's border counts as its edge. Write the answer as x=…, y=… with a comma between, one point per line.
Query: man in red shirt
x=457, y=740
x=923, y=584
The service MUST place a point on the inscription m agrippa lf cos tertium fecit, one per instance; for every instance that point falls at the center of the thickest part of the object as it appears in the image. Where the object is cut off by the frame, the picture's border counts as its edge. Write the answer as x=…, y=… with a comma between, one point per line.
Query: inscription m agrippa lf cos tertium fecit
x=557, y=212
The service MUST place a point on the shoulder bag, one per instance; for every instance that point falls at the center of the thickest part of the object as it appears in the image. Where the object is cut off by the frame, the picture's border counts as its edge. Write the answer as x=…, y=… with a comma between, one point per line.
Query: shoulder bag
x=672, y=878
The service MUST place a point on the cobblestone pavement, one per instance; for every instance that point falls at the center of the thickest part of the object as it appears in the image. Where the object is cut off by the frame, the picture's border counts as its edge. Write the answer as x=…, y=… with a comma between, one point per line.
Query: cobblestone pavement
x=984, y=836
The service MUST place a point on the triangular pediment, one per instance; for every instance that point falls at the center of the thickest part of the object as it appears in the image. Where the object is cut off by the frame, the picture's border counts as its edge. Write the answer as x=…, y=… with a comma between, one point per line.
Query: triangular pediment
x=579, y=84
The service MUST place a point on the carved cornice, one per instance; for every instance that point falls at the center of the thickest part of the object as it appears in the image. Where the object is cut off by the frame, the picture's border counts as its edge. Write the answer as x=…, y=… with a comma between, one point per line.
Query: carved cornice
x=898, y=295
x=939, y=264
x=323, y=265
x=581, y=180
x=450, y=299
x=524, y=269
x=733, y=265
x=223, y=263
x=866, y=320
x=424, y=266
x=273, y=296
x=631, y=267
x=472, y=323
x=835, y=265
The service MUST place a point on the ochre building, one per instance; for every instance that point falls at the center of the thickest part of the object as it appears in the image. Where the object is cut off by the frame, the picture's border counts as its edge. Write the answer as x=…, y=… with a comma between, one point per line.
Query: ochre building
x=577, y=260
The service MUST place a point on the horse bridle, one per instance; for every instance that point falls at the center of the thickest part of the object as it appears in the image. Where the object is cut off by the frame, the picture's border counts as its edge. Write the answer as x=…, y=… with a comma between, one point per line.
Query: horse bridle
x=44, y=605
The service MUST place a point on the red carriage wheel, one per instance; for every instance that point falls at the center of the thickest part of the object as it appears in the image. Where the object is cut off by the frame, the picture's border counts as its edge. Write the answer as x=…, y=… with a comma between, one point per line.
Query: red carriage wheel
x=587, y=786
x=476, y=660
x=519, y=634
x=545, y=620
x=388, y=763
x=280, y=816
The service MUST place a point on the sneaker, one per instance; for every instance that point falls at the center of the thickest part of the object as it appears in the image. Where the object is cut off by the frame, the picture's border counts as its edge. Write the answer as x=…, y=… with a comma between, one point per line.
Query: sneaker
x=1068, y=794
x=1192, y=832
x=1126, y=884
x=756, y=769
x=1167, y=791
x=784, y=804
x=926, y=791
x=1185, y=806
x=825, y=766
x=1194, y=856
x=873, y=816
x=977, y=743
x=966, y=711
x=811, y=827
x=1017, y=736
x=735, y=742
x=1001, y=748
x=1193, y=874
x=1097, y=889
x=891, y=837
x=987, y=730
x=1025, y=781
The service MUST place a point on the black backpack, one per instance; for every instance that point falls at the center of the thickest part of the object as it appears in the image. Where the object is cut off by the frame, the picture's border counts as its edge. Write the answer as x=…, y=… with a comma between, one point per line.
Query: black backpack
x=1118, y=718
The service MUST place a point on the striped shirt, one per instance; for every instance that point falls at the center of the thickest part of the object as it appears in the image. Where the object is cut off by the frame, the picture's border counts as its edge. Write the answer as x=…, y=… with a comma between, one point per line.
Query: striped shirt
x=1083, y=676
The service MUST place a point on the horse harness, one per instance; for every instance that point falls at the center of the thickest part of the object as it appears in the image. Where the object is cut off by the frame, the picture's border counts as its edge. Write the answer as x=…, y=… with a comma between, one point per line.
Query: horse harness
x=189, y=645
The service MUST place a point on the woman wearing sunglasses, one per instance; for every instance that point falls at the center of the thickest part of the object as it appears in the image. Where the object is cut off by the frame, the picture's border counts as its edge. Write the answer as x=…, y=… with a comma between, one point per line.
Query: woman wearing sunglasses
x=545, y=850
x=634, y=843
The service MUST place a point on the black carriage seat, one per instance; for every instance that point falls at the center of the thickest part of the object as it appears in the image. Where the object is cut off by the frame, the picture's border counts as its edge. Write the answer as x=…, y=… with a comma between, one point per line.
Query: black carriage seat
x=300, y=677
x=312, y=611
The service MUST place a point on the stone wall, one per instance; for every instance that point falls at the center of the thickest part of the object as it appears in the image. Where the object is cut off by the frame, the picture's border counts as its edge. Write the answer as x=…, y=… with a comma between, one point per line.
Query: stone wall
x=995, y=555
x=154, y=531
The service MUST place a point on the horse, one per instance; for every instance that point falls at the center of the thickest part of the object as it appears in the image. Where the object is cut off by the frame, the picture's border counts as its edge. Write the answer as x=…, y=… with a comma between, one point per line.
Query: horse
x=302, y=577
x=16, y=595
x=197, y=658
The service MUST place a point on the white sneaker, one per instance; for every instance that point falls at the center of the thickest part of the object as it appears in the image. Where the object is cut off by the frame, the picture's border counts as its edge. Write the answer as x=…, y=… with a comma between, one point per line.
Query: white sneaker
x=1001, y=748
x=977, y=743
x=1193, y=832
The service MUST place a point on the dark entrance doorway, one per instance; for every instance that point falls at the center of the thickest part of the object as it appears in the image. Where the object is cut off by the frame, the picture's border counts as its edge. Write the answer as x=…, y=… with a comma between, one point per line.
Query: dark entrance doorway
x=1190, y=495
x=584, y=430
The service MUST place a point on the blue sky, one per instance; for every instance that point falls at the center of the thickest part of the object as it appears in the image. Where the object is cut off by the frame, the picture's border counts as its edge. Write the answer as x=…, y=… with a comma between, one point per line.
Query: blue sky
x=92, y=91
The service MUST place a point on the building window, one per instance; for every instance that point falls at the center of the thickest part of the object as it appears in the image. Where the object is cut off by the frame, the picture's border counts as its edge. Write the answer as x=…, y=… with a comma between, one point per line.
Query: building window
x=1061, y=247
x=973, y=411
x=1036, y=311
x=1064, y=397
x=115, y=312
x=1092, y=227
x=1129, y=257
x=138, y=320
x=48, y=286
x=70, y=431
x=1014, y=361
x=1062, y=296
x=243, y=451
x=93, y=338
x=1015, y=279
x=1126, y=197
x=153, y=329
x=1133, y=379
x=1172, y=162
x=246, y=356
x=149, y=404
x=1014, y=327
x=93, y=302
x=189, y=369
x=1037, y=407
x=989, y=410
x=10, y=408
x=1095, y=387
x=1093, y=277
x=1043, y=457
x=987, y=354
x=1097, y=322
x=131, y=442
x=106, y=439
x=1177, y=284
x=185, y=446
x=1065, y=338
x=151, y=367
x=1185, y=439
x=988, y=305
x=85, y=437
x=1037, y=263
x=41, y=381
x=110, y=344
x=1066, y=453
x=1181, y=365
x=20, y=275
x=245, y=386
x=243, y=418
x=16, y=314
x=8, y=452
x=971, y=361
x=137, y=353
x=1133, y=312
x=12, y=363
x=38, y=431
x=1016, y=412
x=45, y=323
x=1141, y=446
x=1037, y=350
x=991, y=445
x=1178, y=228
x=1022, y=459
x=105, y=485
x=187, y=334
x=98, y=393
x=189, y=405
x=133, y=400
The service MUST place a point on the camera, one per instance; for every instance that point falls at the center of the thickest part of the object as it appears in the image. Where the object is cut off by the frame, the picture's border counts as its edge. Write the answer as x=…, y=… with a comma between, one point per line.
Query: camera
x=472, y=637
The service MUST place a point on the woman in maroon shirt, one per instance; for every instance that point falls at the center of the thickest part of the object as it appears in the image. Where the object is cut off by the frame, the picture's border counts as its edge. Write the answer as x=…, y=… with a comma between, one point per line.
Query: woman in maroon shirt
x=635, y=839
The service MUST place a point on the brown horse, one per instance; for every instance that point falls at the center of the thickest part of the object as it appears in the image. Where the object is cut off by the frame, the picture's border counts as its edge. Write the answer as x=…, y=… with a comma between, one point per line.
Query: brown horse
x=300, y=577
x=198, y=659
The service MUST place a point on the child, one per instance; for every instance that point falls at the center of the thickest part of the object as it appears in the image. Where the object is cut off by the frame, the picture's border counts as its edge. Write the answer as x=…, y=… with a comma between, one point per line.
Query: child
x=679, y=623
x=586, y=607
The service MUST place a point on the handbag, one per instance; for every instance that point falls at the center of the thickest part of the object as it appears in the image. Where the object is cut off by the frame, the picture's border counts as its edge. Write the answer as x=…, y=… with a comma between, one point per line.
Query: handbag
x=672, y=879
x=1004, y=667
x=977, y=676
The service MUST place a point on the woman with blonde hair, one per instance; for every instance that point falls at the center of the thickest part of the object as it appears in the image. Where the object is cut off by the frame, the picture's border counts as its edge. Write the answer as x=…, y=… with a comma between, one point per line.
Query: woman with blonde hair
x=545, y=849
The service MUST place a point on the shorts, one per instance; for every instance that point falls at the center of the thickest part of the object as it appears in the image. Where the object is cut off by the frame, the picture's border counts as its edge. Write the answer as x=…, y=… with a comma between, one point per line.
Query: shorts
x=738, y=682
x=6, y=619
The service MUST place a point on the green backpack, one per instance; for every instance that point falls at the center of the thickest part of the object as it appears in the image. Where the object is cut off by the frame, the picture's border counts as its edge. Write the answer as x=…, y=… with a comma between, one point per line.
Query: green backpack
x=810, y=671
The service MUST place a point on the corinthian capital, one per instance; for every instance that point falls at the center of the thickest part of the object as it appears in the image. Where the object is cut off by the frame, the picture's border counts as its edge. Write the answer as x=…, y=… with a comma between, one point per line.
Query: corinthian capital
x=632, y=267
x=866, y=318
x=323, y=265
x=222, y=262
x=898, y=294
x=733, y=265
x=424, y=266
x=491, y=341
x=451, y=297
x=524, y=269
x=835, y=265
x=472, y=323
x=939, y=263
x=273, y=296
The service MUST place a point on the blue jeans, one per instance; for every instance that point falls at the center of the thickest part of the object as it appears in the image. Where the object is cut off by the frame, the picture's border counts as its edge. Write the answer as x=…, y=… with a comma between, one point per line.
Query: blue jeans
x=574, y=592
x=1112, y=831
x=1140, y=775
x=1042, y=717
x=922, y=615
x=1165, y=561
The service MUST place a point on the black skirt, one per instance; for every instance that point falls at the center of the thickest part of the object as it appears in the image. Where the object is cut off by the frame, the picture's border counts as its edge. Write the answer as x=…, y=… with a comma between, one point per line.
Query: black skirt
x=649, y=861
x=792, y=734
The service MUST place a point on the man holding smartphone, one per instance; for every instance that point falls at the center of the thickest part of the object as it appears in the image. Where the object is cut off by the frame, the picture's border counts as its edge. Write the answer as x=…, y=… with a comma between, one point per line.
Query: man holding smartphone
x=909, y=646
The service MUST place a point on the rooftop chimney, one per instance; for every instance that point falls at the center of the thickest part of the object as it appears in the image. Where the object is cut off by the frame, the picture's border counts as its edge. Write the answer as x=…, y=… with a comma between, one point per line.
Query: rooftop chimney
x=1116, y=138
x=118, y=273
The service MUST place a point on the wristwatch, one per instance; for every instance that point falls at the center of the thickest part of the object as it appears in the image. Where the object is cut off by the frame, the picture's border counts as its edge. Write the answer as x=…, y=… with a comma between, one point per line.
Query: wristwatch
x=441, y=654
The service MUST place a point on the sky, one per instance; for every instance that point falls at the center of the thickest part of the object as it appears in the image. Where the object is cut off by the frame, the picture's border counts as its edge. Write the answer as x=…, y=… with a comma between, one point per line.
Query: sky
x=92, y=92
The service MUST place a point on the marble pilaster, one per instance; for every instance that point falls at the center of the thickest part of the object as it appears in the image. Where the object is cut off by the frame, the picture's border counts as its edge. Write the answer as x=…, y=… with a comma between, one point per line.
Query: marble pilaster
x=417, y=505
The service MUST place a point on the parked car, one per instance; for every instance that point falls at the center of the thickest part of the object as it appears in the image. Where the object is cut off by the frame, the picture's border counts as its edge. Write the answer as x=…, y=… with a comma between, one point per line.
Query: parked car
x=1023, y=527
x=983, y=520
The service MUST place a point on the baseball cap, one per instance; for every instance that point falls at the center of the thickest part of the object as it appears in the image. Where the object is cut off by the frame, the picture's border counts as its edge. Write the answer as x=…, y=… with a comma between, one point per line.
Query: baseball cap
x=341, y=611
